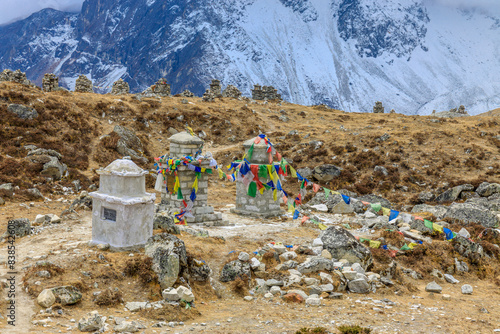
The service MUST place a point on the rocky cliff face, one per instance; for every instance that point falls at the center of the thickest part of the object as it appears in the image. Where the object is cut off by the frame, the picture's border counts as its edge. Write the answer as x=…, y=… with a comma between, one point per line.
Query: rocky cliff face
x=414, y=56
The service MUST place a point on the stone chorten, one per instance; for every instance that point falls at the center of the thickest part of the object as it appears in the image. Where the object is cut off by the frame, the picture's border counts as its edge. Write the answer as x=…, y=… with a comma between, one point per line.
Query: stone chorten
x=378, y=108
x=50, y=82
x=120, y=87
x=122, y=210
x=83, y=85
x=216, y=88
x=183, y=144
x=261, y=205
x=161, y=87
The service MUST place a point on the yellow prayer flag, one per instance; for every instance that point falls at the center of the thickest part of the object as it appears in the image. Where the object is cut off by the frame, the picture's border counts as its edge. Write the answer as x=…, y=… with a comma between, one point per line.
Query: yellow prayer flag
x=437, y=227
x=275, y=195
x=412, y=244
x=293, y=171
x=322, y=226
x=195, y=184
x=291, y=209
x=374, y=244
x=261, y=190
x=221, y=173
x=203, y=170
x=176, y=185
x=386, y=211
x=335, y=193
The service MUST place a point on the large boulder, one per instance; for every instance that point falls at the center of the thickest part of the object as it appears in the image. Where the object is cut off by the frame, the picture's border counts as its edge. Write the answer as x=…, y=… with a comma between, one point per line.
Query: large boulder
x=18, y=227
x=439, y=211
x=52, y=167
x=129, y=144
x=235, y=269
x=452, y=194
x=470, y=213
x=67, y=295
x=486, y=189
x=326, y=173
x=376, y=199
x=468, y=248
x=343, y=245
x=315, y=264
x=166, y=223
x=169, y=257
x=22, y=111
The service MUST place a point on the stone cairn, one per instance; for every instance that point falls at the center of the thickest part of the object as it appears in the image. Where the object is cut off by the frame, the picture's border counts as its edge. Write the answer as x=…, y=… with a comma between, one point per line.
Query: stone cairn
x=120, y=87
x=208, y=96
x=461, y=110
x=265, y=93
x=16, y=76
x=186, y=93
x=378, y=108
x=261, y=206
x=83, y=85
x=231, y=91
x=183, y=144
x=161, y=87
x=216, y=88
x=50, y=83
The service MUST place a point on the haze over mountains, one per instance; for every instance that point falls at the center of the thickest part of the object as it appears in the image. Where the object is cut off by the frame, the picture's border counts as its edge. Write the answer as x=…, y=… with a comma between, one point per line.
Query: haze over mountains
x=414, y=56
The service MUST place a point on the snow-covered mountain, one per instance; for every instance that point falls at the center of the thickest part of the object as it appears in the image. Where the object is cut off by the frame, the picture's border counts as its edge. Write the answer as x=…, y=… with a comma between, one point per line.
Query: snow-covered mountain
x=413, y=55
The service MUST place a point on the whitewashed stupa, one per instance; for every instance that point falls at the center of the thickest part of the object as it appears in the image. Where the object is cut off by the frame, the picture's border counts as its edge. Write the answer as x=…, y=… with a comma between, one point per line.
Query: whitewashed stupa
x=122, y=210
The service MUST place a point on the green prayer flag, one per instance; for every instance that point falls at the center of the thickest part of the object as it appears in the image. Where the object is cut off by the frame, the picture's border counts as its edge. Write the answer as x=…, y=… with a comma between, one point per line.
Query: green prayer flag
x=405, y=247
x=263, y=171
x=302, y=185
x=198, y=175
x=376, y=207
x=428, y=224
x=250, y=152
x=327, y=193
x=179, y=194
x=363, y=239
x=209, y=171
x=252, y=189
x=266, y=186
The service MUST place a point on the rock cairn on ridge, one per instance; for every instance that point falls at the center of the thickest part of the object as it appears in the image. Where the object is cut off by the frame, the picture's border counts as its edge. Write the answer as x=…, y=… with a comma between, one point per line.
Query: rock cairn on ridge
x=120, y=87
x=16, y=76
x=378, y=108
x=265, y=93
x=231, y=91
x=161, y=87
x=50, y=83
x=215, y=88
x=83, y=85
x=186, y=93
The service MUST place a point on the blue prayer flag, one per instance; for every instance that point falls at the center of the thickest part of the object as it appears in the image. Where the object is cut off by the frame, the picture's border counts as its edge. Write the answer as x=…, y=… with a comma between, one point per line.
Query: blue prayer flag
x=394, y=214
x=296, y=214
x=193, y=195
x=448, y=233
x=346, y=199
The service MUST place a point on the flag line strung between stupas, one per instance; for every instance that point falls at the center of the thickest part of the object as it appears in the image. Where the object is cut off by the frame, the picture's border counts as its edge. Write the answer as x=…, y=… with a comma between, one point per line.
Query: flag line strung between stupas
x=249, y=174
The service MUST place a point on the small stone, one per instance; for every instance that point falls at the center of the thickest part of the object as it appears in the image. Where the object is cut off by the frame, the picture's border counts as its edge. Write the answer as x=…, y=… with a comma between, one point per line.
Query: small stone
x=446, y=297
x=357, y=267
x=326, y=254
x=244, y=257
x=450, y=279
x=275, y=290
x=293, y=298
x=91, y=322
x=46, y=298
x=336, y=295
x=313, y=301
x=467, y=289
x=268, y=295
x=254, y=263
x=433, y=287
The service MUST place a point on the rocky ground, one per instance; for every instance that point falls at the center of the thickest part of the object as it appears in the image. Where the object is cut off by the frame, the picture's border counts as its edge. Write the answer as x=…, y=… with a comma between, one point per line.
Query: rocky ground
x=254, y=275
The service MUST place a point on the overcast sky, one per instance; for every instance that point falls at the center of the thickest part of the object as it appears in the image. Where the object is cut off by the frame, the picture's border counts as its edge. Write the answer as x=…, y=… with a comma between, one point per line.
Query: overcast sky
x=12, y=10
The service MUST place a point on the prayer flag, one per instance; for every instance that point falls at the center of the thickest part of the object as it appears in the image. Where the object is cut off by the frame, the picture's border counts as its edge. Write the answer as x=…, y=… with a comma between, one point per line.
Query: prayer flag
x=252, y=189
x=448, y=233
x=376, y=207
x=296, y=214
x=375, y=244
x=386, y=211
x=316, y=187
x=327, y=192
x=393, y=215
x=437, y=227
x=346, y=199
x=428, y=224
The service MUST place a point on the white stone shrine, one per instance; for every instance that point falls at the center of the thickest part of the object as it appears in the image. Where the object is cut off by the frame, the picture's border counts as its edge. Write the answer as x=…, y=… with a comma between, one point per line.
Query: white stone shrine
x=122, y=210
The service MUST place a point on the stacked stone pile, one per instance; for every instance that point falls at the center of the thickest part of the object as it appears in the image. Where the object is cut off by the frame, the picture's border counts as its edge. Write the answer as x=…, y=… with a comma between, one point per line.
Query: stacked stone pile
x=208, y=96
x=83, y=85
x=378, y=108
x=231, y=91
x=161, y=88
x=186, y=93
x=50, y=82
x=265, y=93
x=120, y=87
x=16, y=76
x=215, y=88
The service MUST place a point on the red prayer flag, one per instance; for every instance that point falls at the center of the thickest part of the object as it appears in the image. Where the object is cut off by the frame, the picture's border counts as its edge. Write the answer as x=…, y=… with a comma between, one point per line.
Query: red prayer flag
x=316, y=187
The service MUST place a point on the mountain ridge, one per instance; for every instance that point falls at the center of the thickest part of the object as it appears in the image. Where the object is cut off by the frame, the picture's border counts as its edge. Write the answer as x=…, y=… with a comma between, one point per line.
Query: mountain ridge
x=414, y=56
